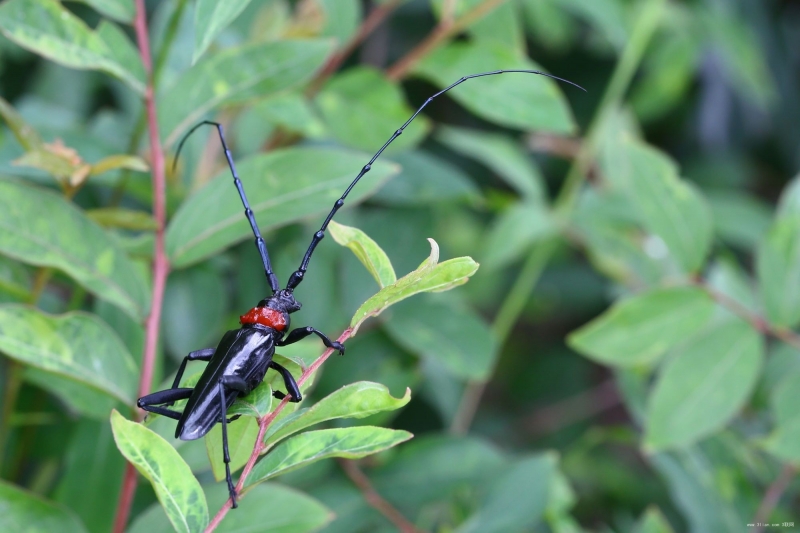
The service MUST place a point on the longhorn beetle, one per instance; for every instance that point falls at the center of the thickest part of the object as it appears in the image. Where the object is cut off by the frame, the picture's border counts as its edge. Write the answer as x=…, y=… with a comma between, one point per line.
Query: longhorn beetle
x=240, y=361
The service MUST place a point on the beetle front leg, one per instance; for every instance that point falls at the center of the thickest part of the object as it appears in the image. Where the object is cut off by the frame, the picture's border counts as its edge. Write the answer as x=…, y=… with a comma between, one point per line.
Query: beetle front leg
x=302, y=333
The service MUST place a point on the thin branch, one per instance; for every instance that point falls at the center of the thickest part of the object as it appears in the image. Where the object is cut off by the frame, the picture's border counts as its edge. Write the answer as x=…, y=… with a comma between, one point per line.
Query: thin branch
x=263, y=424
x=160, y=263
x=447, y=28
x=373, y=20
x=773, y=496
x=557, y=145
x=757, y=321
x=374, y=499
x=526, y=281
x=573, y=409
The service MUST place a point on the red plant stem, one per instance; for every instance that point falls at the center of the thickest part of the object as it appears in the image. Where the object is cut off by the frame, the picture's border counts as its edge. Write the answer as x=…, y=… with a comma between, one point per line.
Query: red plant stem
x=373, y=20
x=160, y=264
x=758, y=322
x=447, y=28
x=374, y=499
x=263, y=424
x=773, y=496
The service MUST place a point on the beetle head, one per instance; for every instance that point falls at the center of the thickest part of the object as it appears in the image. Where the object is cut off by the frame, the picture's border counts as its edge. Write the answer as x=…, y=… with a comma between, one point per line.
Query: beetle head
x=282, y=300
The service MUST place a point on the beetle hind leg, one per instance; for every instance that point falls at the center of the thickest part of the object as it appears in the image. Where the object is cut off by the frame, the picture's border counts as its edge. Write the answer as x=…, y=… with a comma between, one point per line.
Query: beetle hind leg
x=226, y=456
x=152, y=402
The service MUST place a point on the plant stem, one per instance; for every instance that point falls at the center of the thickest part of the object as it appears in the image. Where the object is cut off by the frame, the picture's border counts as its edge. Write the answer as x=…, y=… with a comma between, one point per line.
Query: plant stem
x=564, y=203
x=374, y=499
x=758, y=322
x=141, y=123
x=264, y=423
x=15, y=368
x=160, y=263
x=440, y=34
x=373, y=20
x=773, y=496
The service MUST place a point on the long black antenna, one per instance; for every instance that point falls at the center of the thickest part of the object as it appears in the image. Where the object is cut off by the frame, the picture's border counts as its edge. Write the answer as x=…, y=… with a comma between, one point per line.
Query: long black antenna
x=297, y=276
x=260, y=244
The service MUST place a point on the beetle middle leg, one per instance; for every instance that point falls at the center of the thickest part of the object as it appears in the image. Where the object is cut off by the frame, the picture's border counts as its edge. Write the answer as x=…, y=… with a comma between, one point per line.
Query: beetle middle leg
x=302, y=333
x=288, y=381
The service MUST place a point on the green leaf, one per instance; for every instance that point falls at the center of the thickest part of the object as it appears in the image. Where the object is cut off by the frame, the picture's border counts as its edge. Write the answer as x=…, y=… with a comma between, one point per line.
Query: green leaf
x=256, y=404
x=513, y=232
x=652, y=521
x=696, y=484
x=235, y=75
x=15, y=280
x=312, y=446
x=436, y=466
x=704, y=385
x=549, y=23
x=784, y=441
x=121, y=10
x=48, y=29
x=608, y=17
x=668, y=207
x=176, y=488
x=454, y=336
x=242, y=436
x=431, y=276
x=90, y=478
x=272, y=507
x=743, y=58
x=195, y=303
x=290, y=111
x=523, y=101
x=121, y=217
x=366, y=250
x=77, y=345
x=740, y=219
x=282, y=186
x=78, y=398
x=25, y=134
x=778, y=269
x=641, y=329
x=122, y=52
x=114, y=162
x=210, y=18
x=425, y=179
x=502, y=155
x=516, y=499
x=502, y=27
x=342, y=19
x=668, y=74
x=66, y=239
x=357, y=400
x=28, y=512
x=362, y=109
x=279, y=508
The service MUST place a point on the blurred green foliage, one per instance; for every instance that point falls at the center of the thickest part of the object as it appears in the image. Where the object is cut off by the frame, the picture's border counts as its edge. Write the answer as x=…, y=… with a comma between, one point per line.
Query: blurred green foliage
x=626, y=358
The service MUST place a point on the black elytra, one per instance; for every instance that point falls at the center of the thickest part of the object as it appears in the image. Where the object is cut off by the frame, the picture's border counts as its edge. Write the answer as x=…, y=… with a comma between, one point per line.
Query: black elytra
x=240, y=361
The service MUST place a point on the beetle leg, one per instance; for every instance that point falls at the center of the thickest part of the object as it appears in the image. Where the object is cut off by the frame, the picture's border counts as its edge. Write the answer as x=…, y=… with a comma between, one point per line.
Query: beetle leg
x=302, y=333
x=226, y=456
x=238, y=384
x=289, y=382
x=165, y=397
x=198, y=355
